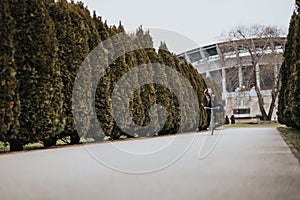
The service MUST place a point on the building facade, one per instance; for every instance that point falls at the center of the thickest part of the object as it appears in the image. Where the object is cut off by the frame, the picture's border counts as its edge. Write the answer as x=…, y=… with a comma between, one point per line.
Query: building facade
x=236, y=66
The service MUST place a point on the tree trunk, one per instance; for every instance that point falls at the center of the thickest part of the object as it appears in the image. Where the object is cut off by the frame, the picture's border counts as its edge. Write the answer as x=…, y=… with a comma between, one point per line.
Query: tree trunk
x=275, y=92
x=261, y=104
x=259, y=96
x=272, y=106
x=98, y=138
x=274, y=97
x=16, y=145
x=74, y=138
x=49, y=142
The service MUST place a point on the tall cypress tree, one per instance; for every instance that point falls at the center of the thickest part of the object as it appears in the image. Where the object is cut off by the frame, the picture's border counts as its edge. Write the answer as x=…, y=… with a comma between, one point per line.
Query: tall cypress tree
x=199, y=86
x=289, y=97
x=60, y=13
x=75, y=41
x=137, y=105
x=94, y=37
x=40, y=88
x=9, y=97
x=294, y=78
x=136, y=109
x=165, y=96
x=190, y=74
x=285, y=71
x=91, y=37
x=147, y=92
x=117, y=69
x=103, y=92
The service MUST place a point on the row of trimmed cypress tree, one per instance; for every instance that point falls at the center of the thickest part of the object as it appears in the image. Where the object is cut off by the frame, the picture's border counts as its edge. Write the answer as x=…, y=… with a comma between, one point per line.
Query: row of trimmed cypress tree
x=42, y=45
x=289, y=97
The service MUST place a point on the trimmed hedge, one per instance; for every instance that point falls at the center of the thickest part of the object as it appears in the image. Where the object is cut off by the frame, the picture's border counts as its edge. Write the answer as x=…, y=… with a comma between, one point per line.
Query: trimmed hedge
x=43, y=44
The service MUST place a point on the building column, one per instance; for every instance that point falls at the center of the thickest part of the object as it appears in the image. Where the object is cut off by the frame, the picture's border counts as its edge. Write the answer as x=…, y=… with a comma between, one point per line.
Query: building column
x=224, y=80
x=276, y=71
x=222, y=63
x=203, y=56
x=240, y=76
x=187, y=58
x=257, y=69
x=207, y=74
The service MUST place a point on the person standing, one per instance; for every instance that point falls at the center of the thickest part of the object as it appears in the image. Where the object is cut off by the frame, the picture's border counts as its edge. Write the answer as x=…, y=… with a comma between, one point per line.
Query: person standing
x=207, y=102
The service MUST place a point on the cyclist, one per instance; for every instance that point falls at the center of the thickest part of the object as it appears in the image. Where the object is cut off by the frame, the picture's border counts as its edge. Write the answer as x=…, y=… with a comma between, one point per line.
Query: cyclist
x=208, y=104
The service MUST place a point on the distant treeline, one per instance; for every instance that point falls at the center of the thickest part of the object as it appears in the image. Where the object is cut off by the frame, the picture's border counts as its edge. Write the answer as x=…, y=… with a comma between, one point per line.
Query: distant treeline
x=289, y=97
x=42, y=46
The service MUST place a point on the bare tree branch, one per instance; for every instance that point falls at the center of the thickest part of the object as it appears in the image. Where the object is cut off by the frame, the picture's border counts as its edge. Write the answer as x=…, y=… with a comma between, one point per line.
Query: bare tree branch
x=257, y=40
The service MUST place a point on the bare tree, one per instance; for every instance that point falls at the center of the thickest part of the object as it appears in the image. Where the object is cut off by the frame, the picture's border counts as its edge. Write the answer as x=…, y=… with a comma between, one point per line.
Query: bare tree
x=260, y=43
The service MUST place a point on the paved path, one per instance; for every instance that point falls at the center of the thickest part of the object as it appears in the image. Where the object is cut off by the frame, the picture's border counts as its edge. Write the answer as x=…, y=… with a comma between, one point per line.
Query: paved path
x=233, y=164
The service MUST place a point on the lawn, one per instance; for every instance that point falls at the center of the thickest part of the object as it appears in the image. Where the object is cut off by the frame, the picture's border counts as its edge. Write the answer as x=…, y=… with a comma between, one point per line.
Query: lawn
x=292, y=138
x=253, y=125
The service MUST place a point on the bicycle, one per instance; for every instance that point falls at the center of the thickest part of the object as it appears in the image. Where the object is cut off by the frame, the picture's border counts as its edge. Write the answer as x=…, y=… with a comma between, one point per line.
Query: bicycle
x=212, y=124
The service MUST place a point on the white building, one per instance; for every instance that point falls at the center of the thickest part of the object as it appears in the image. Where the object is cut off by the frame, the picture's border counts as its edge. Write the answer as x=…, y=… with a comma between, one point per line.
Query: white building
x=230, y=65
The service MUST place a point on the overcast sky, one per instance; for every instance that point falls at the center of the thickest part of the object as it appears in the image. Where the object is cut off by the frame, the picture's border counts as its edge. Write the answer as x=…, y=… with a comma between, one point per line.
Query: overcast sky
x=202, y=21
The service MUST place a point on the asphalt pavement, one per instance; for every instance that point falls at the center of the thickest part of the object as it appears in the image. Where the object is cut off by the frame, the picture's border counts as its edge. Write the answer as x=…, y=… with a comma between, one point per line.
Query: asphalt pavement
x=247, y=163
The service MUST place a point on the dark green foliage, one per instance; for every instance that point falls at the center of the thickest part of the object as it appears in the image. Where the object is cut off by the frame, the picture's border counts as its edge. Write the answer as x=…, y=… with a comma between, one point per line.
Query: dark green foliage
x=43, y=45
x=77, y=36
x=9, y=96
x=289, y=97
x=67, y=57
x=294, y=80
x=39, y=78
x=190, y=74
x=285, y=72
x=165, y=97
